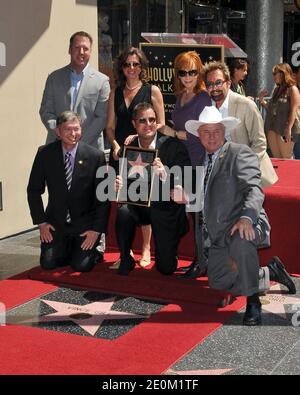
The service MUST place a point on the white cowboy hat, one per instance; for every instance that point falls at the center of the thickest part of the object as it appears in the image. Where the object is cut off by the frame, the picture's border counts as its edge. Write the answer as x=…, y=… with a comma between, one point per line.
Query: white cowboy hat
x=211, y=114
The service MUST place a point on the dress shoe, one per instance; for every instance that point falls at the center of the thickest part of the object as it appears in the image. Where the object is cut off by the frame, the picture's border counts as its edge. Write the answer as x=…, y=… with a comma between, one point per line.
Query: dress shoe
x=184, y=269
x=126, y=266
x=280, y=275
x=252, y=316
x=194, y=272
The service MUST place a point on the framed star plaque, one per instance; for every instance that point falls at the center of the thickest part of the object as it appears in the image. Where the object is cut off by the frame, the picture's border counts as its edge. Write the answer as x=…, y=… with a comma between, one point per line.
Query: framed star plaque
x=137, y=176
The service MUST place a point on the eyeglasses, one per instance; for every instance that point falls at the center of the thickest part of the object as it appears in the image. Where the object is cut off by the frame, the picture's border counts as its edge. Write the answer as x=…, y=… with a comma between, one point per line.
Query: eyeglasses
x=126, y=65
x=184, y=73
x=218, y=84
x=151, y=120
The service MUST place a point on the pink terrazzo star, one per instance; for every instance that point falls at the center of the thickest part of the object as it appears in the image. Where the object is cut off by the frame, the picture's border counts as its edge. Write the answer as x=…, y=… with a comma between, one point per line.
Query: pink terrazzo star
x=89, y=317
x=138, y=166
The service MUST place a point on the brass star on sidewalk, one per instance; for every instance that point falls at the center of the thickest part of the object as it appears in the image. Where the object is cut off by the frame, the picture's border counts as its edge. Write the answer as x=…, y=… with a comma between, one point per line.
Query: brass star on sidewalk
x=138, y=166
x=89, y=317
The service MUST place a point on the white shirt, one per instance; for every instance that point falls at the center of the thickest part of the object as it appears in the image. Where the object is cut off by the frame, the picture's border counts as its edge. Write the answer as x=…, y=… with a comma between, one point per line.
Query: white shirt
x=224, y=112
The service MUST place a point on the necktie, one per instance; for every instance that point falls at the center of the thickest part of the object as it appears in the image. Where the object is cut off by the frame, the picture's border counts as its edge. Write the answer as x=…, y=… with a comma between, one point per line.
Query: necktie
x=205, y=236
x=208, y=170
x=68, y=172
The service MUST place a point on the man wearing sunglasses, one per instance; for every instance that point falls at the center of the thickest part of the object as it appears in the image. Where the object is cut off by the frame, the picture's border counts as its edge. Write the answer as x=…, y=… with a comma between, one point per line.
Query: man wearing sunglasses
x=251, y=129
x=167, y=218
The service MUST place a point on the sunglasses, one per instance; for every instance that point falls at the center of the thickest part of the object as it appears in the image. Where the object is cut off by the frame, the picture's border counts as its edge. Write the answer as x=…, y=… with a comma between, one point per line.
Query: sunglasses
x=184, y=73
x=151, y=120
x=126, y=65
x=218, y=84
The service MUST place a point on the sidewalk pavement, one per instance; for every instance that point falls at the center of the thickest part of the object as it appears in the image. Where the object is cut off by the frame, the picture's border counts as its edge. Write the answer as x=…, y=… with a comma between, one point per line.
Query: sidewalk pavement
x=270, y=349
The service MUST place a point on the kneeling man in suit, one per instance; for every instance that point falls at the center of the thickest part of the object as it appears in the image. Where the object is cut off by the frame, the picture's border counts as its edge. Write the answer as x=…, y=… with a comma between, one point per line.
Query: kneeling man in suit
x=167, y=218
x=74, y=218
x=233, y=223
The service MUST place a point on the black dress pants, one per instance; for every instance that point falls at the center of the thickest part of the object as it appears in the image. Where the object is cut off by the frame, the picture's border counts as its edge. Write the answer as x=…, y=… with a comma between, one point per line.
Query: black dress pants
x=65, y=249
x=168, y=225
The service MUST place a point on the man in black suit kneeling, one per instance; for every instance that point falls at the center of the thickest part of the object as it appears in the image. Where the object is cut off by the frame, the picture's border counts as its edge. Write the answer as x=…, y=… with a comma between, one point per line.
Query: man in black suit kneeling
x=74, y=218
x=167, y=218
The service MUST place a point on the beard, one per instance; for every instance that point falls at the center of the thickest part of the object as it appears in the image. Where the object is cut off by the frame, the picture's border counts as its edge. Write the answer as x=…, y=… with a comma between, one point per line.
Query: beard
x=217, y=96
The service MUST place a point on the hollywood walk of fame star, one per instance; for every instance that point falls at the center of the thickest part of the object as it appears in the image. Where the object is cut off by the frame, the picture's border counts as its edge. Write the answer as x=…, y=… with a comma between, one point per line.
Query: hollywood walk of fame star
x=138, y=166
x=207, y=372
x=274, y=303
x=89, y=317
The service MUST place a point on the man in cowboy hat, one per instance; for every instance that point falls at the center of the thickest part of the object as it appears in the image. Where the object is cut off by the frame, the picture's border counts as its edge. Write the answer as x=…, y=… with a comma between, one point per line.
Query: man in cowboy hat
x=233, y=223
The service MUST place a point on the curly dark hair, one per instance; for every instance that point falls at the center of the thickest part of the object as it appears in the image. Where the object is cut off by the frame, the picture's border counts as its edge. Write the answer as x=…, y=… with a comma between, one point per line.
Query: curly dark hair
x=121, y=60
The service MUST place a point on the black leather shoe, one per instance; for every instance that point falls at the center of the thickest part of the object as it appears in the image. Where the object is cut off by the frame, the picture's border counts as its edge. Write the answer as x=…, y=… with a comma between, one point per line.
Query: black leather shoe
x=280, y=275
x=252, y=316
x=126, y=266
x=186, y=268
x=194, y=272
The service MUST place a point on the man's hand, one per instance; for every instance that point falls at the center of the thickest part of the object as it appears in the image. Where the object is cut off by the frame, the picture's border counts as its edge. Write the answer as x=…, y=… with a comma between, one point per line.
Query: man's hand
x=45, y=234
x=245, y=228
x=178, y=195
x=90, y=239
x=116, y=151
x=118, y=183
x=159, y=169
x=129, y=139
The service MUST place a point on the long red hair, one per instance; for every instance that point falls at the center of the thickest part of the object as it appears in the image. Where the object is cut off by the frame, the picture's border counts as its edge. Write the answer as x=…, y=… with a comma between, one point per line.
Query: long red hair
x=188, y=60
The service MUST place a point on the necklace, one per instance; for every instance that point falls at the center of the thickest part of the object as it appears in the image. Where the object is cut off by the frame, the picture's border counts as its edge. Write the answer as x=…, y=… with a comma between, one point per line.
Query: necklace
x=134, y=87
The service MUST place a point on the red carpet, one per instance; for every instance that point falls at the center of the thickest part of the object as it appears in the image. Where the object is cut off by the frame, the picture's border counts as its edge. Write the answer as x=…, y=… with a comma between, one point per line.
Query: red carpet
x=149, y=348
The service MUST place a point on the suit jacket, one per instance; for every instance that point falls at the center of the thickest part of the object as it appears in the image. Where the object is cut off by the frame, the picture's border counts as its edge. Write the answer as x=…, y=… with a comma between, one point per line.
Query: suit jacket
x=251, y=132
x=87, y=213
x=171, y=153
x=91, y=102
x=234, y=190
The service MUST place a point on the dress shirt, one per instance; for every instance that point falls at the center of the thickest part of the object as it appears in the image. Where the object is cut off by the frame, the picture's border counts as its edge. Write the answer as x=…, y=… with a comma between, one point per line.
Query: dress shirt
x=224, y=112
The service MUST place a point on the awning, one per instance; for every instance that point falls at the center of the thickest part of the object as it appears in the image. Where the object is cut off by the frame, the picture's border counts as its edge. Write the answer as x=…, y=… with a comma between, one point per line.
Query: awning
x=231, y=50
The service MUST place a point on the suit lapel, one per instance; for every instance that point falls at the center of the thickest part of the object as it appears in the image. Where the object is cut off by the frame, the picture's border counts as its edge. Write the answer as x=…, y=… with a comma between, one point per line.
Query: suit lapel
x=58, y=167
x=80, y=159
x=66, y=84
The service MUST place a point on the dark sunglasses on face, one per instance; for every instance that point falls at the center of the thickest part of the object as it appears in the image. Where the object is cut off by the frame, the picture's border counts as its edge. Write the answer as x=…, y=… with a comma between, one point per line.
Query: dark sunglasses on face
x=151, y=120
x=184, y=73
x=126, y=65
x=218, y=84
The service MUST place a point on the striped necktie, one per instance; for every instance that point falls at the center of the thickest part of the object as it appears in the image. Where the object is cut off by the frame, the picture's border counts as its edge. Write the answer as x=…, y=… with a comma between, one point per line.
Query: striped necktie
x=205, y=236
x=208, y=170
x=68, y=172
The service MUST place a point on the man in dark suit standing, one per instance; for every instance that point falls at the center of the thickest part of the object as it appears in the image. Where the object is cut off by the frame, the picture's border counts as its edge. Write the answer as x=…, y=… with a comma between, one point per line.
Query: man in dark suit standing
x=167, y=218
x=74, y=218
x=233, y=223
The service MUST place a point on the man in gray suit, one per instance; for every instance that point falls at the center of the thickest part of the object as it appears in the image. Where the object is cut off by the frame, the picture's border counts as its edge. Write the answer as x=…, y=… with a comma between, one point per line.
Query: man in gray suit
x=80, y=88
x=233, y=223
